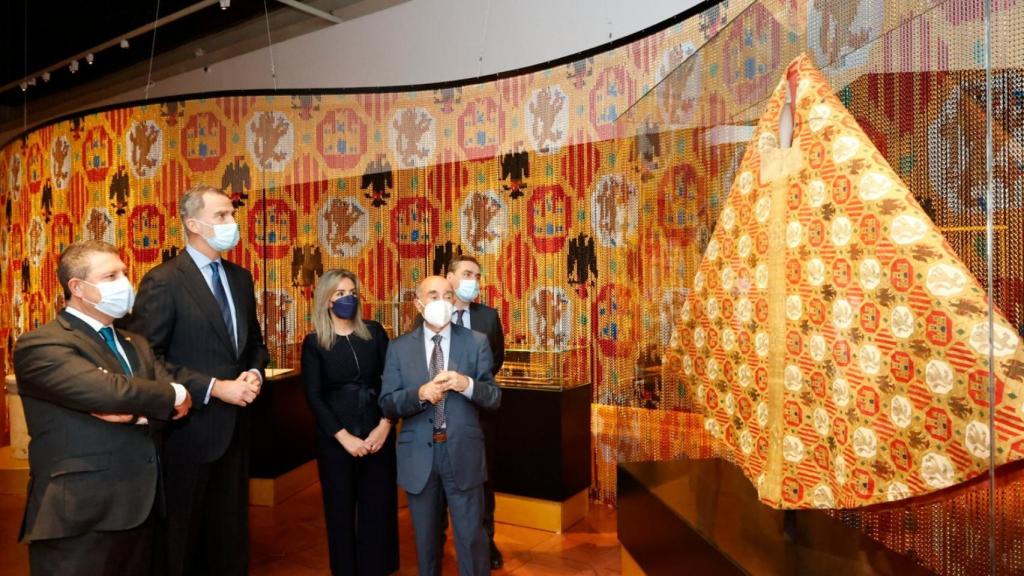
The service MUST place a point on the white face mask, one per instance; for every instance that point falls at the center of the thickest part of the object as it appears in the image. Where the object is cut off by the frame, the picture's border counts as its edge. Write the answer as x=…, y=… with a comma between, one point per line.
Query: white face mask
x=225, y=236
x=116, y=297
x=438, y=313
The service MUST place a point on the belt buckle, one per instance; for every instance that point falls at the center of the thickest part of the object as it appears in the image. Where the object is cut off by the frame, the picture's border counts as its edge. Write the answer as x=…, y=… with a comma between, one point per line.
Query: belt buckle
x=440, y=436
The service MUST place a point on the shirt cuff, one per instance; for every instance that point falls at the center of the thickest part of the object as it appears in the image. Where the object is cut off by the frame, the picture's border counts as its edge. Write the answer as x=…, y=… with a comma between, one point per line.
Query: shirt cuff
x=258, y=373
x=468, y=392
x=179, y=393
x=209, y=392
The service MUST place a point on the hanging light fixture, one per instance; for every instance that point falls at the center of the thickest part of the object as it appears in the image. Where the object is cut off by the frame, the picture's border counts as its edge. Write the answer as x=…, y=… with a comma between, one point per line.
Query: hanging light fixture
x=89, y=58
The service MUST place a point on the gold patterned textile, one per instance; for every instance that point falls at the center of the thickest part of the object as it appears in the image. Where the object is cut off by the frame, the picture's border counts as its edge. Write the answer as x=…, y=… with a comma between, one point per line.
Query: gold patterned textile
x=837, y=345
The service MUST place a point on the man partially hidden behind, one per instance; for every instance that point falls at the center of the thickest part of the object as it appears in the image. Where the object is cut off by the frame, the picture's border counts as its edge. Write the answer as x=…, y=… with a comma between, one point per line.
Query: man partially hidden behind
x=91, y=396
x=436, y=378
x=464, y=276
x=199, y=312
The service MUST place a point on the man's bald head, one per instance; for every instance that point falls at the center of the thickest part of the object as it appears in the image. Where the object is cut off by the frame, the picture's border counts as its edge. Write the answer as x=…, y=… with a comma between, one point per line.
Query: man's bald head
x=434, y=288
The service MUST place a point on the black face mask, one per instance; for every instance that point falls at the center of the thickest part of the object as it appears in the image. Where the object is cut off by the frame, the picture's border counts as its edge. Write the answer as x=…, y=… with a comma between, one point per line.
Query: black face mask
x=346, y=306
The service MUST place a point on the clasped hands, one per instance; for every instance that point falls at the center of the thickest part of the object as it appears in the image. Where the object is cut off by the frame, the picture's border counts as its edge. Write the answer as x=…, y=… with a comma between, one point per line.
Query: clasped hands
x=358, y=447
x=434, y=390
x=241, y=392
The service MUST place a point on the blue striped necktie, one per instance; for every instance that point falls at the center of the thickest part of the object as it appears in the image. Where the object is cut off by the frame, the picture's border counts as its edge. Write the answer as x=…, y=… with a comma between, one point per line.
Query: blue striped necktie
x=222, y=300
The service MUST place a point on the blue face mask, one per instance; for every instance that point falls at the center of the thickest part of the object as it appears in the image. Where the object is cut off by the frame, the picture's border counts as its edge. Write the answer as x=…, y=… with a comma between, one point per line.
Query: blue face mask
x=346, y=306
x=468, y=290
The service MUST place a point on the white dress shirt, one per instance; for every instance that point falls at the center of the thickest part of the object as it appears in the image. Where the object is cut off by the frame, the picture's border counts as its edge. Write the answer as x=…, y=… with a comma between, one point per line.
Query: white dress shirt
x=446, y=345
x=465, y=317
x=203, y=263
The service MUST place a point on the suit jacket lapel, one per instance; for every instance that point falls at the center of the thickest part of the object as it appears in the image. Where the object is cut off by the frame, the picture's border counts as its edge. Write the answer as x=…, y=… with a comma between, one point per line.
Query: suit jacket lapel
x=241, y=312
x=133, y=355
x=420, y=369
x=92, y=343
x=476, y=319
x=457, y=350
x=196, y=286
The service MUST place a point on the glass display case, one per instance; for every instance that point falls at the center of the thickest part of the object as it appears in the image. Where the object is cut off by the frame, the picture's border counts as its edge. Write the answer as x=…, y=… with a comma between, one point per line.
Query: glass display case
x=549, y=369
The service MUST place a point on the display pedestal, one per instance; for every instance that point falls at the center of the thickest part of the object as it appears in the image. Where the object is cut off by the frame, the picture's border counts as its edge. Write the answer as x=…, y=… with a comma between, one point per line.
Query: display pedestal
x=13, y=473
x=14, y=458
x=705, y=515
x=542, y=457
x=282, y=443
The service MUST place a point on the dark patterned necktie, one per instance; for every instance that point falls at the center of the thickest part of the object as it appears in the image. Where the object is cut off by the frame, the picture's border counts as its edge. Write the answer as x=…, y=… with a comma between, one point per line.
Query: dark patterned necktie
x=436, y=367
x=221, y=296
x=108, y=336
x=458, y=319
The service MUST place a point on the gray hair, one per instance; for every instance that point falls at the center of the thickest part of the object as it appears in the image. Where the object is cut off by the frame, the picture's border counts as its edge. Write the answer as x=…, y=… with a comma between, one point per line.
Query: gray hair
x=192, y=201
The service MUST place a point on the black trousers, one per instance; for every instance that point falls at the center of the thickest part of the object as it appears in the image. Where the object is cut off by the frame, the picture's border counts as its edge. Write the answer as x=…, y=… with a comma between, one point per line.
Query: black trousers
x=114, y=553
x=360, y=507
x=206, y=531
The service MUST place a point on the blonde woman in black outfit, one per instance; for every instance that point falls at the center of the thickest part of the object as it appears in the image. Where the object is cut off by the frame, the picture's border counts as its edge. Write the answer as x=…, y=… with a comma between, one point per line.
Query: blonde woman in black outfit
x=342, y=361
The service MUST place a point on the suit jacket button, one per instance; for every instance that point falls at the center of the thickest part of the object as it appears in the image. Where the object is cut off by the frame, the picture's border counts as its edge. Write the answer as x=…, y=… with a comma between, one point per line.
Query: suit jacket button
x=431, y=420
x=429, y=444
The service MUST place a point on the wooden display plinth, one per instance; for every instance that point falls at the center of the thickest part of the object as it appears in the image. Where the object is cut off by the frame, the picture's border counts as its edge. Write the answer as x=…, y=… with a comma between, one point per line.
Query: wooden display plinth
x=704, y=515
x=273, y=491
x=282, y=444
x=541, y=472
x=13, y=473
x=548, y=515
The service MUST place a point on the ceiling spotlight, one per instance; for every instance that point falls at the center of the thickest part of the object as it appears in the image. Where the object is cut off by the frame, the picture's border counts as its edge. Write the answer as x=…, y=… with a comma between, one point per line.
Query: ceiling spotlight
x=89, y=58
x=199, y=52
x=46, y=76
x=224, y=4
x=32, y=81
x=124, y=43
x=73, y=66
x=24, y=86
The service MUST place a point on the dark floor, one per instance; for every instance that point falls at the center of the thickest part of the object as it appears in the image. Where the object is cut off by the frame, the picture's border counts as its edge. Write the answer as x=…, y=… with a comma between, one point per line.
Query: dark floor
x=288, y=540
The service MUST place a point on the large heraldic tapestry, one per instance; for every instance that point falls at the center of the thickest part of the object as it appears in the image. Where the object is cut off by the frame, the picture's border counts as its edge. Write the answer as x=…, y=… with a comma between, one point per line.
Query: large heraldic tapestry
x=837, y=345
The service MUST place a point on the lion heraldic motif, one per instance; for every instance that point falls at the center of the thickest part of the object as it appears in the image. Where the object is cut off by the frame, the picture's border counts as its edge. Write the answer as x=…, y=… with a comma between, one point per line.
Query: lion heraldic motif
x=411, y=126
x=545, y=109
x=144, y=137
x=480, y=212
x=268, y=130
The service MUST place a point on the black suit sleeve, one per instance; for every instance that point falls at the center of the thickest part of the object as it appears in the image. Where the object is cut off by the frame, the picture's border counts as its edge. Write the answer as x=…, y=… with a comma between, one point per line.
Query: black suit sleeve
x=498, y=344
x=485, y=394
x=55, y=371
x=260, y=356
x=312, y=377
x=153, y=317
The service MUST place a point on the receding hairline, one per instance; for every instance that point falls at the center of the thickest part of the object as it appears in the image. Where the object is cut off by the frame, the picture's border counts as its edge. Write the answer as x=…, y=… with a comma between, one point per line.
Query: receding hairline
x=419, y=288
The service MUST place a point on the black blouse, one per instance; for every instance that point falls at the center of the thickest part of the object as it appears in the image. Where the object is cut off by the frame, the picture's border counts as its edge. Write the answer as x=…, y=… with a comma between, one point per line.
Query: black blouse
x=343, y=383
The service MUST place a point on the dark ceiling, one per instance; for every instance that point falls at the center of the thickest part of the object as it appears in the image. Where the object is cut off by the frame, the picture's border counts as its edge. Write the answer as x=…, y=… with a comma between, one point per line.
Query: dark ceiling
x=61, y=29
